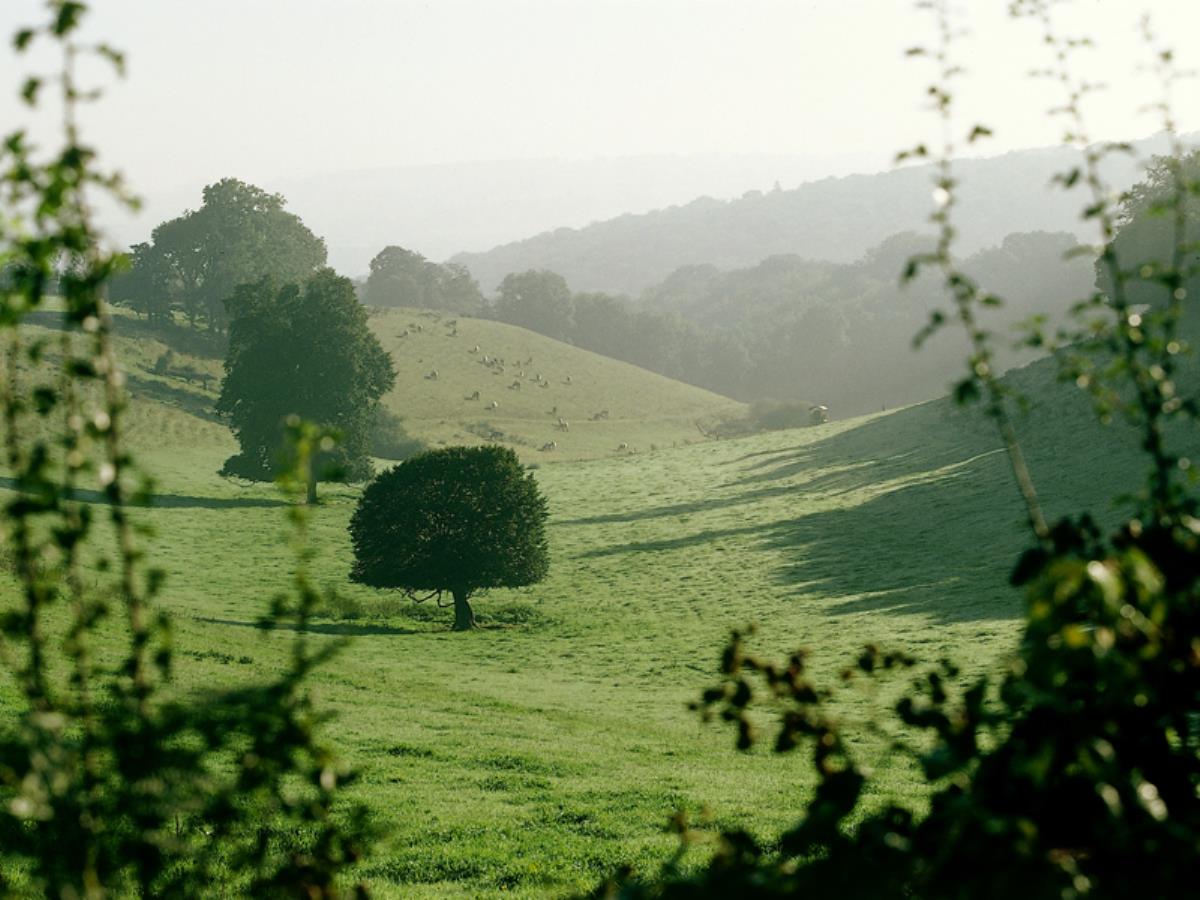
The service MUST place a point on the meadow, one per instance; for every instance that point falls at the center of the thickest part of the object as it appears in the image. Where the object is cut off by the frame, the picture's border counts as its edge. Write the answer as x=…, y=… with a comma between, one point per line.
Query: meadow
x=536, y=755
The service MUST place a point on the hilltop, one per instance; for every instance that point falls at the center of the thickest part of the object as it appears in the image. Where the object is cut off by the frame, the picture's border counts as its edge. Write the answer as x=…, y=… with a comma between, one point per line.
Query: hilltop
x=534, y=381
x=836, y=219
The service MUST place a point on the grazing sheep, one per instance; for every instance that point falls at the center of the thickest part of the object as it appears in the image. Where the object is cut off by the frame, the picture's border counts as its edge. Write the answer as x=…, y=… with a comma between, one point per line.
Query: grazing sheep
x=432, y=376
x=544, y=384
x=493, y=405
x=474, y=349
x=550, y=445
x=818, y=415
x=515, y=386
x=567, y=380
x=563, y=425
x=622, y=446
x=554, y=410
x=474, y=396
x=403, y=334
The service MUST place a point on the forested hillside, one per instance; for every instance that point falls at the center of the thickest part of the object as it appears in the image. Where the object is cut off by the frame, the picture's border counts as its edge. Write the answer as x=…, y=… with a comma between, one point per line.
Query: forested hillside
x=837, y=219
x=794, y=329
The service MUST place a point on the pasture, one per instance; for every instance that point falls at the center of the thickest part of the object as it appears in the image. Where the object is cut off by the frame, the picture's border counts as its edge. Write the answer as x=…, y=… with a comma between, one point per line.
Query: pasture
x=537, y=754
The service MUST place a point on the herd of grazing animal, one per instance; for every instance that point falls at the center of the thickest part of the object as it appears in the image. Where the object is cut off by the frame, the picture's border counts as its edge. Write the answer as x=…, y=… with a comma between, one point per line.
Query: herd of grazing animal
x=525, y=376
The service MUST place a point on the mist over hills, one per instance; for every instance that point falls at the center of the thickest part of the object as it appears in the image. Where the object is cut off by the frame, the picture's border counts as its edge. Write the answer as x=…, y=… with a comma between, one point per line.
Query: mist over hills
x=836, y=219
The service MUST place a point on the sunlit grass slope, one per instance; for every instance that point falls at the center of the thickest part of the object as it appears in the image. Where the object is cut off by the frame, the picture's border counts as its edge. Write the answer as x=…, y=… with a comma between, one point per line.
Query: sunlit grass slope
x=534, y=382
x=533, y=756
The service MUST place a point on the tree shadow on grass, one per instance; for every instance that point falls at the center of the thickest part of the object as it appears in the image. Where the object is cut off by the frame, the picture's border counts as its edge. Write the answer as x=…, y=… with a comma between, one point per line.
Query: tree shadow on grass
x=168, y=501
x=337, y=629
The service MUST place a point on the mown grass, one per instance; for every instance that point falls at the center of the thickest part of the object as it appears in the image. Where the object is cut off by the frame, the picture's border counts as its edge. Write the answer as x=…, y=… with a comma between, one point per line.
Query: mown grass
x=535, y=755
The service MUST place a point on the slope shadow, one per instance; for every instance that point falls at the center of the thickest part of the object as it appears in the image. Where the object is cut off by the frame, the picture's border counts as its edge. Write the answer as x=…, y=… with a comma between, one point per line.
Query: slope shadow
x=941, y=548
x=337, y=629
x=167, y=501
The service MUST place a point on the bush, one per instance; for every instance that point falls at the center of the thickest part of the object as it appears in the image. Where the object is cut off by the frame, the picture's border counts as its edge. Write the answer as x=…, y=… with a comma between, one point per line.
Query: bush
x=389, y=439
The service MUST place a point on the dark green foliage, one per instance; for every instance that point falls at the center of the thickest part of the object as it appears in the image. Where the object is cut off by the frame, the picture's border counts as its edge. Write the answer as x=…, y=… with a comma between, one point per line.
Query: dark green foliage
x=302, y=350
x=193, y=263
x=771, y=415
x=401, y=277
x=109, y=784
x=457, y=521
x=389, y=439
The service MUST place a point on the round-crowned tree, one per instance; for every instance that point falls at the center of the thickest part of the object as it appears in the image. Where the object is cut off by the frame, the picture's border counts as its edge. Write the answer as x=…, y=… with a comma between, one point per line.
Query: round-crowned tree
x=453, y=521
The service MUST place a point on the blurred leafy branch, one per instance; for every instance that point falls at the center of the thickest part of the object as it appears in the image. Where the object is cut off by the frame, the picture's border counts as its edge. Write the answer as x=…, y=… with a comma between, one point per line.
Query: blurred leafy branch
x=110, y=784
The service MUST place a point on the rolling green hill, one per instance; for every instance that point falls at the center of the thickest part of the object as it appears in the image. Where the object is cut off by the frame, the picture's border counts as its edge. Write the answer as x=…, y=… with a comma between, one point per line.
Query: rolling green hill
x=534, y=381
x=533, y=756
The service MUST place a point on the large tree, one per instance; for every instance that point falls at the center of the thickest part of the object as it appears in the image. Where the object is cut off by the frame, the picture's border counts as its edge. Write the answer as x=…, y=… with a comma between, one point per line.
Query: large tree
x=402, y=277
x=453, y=521
x=194, y=262
x=305, y=350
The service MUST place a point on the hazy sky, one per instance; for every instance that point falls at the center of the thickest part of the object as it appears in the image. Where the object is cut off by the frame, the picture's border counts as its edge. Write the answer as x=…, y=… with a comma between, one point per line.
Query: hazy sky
x=270, y=89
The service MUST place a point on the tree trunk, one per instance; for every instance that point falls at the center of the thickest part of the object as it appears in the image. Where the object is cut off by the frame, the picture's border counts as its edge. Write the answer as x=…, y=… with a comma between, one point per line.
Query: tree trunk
x=312, y=489
x=464, y=616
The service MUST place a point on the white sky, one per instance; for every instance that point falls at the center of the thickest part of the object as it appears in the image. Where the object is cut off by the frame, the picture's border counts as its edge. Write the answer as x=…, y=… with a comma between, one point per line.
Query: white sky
x=270, y=89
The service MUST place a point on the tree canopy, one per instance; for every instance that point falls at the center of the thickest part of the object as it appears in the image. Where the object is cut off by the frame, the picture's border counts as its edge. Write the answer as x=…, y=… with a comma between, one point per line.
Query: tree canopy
x=194, y=262
x=305, y=350
x=402, y=277
x=456, y=520
x=537, y=300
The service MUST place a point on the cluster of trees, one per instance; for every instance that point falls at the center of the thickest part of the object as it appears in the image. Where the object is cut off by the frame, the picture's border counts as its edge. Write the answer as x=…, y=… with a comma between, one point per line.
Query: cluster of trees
x=192, y=264
x=402, y=277
x=790, y=327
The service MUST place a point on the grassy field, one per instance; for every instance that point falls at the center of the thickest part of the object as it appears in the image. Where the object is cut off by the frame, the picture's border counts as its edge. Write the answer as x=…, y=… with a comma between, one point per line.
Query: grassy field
x=533, y=756
x=534, y=381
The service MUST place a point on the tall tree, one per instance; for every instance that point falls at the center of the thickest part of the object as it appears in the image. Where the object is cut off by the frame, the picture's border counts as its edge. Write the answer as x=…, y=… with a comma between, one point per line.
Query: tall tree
x=303, y=350
x=194, y=262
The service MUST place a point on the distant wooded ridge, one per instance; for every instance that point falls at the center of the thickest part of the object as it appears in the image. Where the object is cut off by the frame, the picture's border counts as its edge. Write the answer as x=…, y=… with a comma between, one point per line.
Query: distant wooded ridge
x=836, y=219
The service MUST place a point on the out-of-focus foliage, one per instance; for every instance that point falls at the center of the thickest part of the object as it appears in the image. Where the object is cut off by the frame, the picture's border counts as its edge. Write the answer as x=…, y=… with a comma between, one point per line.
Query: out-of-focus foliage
x=193, y=263
x=110, y=783
x=402, y=277
x=301, y=349
x=454, y=521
